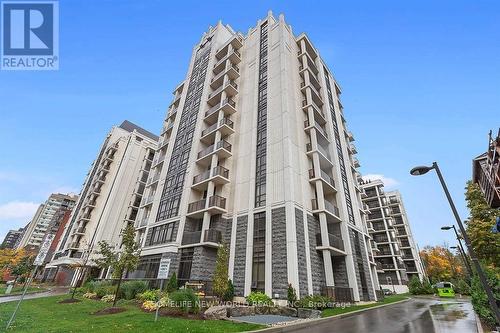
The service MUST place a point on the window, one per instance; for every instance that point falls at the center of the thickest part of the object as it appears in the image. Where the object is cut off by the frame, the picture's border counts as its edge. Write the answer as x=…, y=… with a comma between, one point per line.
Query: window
x=162, y=234
x=259, y=251
x=185, y=263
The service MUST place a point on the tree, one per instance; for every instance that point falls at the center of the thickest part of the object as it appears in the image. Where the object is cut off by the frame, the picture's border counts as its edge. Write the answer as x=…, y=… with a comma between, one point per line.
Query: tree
x=441, y=264
x=478, y=295
x=481, y=221
x=220, y=280
x=415, y=286
x=172, y=284
x=120, y=261
x=15, y=262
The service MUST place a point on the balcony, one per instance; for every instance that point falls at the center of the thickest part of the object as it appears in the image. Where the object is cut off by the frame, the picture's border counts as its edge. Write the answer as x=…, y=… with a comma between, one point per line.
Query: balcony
x=79, y=231
x=380, y=269
x=216, y=205
x=231, y=89
x=147, y=200
x=317, y=127
x=309, y=61
x=219, y=176
x=234, y=57
x=228, y=106
x=352, y=148
x=153, y=180
x=172, y=113
x=212, y=236
x=221, y=148
x=158, y=160
x=388, y=267
x=355, y=162
x=74, y=245
x=328, y=182
x=335, y=243
x=143, y=222
x=332, y=212
x=233, y=72
x=236, y=42
x=224, y=126
x=324, y=156
x=175, y=101
x=163, y=142
x=312, y=77
x=316, y=96
x=349, y=136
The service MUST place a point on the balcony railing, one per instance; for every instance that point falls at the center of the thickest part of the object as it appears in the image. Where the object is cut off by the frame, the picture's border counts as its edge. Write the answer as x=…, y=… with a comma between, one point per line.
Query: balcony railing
x=212, y=236
x=218, y=90
x=388, y=266
x=215, y=108
x=334, y=241
x=201, y=177
x=221, y=144
x=222, y=122
x=324, y=176
x=332, y=208
x=213, y=201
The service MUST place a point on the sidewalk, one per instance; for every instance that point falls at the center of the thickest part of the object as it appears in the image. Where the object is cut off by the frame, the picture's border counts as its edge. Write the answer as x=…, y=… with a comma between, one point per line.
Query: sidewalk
x=54, y=291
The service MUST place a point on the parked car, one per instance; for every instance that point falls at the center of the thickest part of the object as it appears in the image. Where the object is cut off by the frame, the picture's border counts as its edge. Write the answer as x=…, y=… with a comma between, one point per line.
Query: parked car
x=387, y=292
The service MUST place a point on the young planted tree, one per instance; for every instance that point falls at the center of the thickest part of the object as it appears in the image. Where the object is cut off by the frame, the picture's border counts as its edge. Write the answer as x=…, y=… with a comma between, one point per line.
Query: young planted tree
x=220, y=280
x=479, y=226
x=172, y=283
x=123, y=260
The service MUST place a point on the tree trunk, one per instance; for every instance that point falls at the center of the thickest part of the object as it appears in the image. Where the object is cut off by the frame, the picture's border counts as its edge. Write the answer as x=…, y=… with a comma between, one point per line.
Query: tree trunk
x=117, y=289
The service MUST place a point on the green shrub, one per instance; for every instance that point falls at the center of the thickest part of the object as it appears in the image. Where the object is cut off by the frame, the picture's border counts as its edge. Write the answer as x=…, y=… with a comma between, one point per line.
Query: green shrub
x=317, y=302
x=259, y=298
x=229, y=294
x=150, y=295
x=101, y=288
x=427, y=288
x=462, y=287
x=185, y=300
x=130, y=289
x=479, y=298
x=291, y=295
x=108, y=298
x=415, y=286
x=172, y=284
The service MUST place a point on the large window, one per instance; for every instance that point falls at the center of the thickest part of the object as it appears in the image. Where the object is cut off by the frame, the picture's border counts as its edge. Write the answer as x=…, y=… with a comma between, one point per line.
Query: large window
x=259, y=252
x=174, y=182
x=185, y=263
x=260, y=163
x=162, y=234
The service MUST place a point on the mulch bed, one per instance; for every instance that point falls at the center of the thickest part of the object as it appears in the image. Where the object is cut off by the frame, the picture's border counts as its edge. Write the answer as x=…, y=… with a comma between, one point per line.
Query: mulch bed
x=109, y=311
x=69, y=300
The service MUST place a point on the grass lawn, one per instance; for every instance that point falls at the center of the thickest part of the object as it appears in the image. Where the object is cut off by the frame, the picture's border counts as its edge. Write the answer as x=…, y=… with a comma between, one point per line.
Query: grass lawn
x=387, y=300
x=46, y=315
x=18, y=289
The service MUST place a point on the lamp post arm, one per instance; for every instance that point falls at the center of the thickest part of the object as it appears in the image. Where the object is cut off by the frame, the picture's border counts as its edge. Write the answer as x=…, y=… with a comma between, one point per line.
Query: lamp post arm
x=475, y=260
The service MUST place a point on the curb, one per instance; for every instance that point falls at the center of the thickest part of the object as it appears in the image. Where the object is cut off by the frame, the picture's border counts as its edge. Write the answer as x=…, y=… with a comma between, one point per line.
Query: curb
x=478, y=323
x=307, y=323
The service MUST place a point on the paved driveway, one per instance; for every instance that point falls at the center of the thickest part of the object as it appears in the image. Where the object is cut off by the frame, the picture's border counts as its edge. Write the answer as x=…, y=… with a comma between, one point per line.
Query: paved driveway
x=52, y=292
x=414, y=316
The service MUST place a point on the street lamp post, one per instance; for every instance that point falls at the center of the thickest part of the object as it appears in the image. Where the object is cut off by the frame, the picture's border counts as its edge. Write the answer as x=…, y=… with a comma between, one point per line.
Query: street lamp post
x=420, y=170
x=464, y=258
x=460, y=248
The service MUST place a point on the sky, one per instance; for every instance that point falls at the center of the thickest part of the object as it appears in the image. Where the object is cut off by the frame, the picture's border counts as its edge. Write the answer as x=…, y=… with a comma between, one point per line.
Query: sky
x=420, y=83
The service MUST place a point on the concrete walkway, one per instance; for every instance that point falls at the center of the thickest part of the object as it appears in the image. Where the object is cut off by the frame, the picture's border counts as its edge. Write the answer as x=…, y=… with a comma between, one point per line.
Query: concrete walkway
x=54, y=291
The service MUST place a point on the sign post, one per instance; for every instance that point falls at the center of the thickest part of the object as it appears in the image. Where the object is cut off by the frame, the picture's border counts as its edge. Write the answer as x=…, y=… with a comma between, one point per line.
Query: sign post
x=40, y=258
x=163, y=271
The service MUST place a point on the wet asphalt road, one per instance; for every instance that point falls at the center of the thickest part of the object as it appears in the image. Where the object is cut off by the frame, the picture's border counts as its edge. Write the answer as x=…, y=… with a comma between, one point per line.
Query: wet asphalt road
x=414, y=316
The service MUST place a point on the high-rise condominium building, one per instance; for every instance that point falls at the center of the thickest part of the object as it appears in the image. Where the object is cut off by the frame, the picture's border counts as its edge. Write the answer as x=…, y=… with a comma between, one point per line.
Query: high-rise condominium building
x=11, y=239
x=109, y=199
x=395, y=250
x=255, y=153
x=486, y=171
x=37, y=228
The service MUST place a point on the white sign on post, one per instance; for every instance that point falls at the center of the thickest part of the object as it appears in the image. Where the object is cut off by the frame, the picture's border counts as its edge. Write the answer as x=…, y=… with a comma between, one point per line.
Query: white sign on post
x=44, y=249
x=164, y=268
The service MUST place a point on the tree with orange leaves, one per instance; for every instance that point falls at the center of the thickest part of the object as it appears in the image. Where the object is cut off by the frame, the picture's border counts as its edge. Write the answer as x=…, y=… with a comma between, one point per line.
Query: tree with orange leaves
x=441, y=264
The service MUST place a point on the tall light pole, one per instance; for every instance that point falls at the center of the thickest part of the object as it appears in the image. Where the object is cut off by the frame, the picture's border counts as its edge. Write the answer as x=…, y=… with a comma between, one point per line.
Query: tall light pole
x=464, y=259
x=460, y=248
x=421, y=170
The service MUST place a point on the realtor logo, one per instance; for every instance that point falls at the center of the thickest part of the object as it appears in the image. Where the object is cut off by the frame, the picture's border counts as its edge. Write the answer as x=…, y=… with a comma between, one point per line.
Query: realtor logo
x=30, y=35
